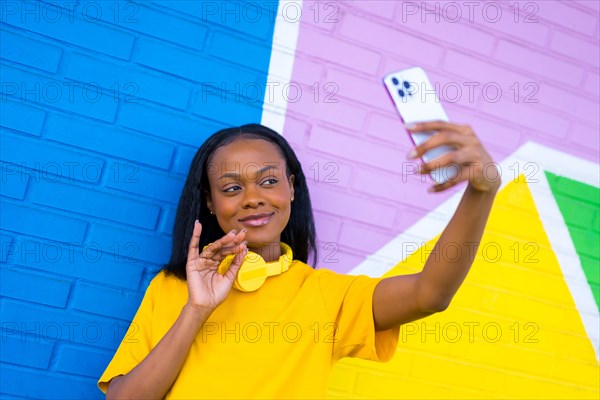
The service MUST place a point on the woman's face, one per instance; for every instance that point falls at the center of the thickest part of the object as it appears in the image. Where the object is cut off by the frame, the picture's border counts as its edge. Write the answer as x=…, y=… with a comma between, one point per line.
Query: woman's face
x=249, y=189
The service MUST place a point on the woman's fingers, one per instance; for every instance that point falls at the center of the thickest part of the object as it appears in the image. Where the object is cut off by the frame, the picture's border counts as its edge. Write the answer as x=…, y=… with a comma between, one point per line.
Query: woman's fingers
x=210, y=257
x=228, y=244
x=441, y=138
x=468, y=155
x=459, y=158
x=213, y=249
x=439, y=162
x=460, y=176
x=193, y=250
x=233, y=269
x=446, y=133
x=443, y=186
x=440, y=126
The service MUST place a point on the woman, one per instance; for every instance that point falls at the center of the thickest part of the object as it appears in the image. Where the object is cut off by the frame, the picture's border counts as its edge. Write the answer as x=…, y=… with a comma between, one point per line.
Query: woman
x=241, y=314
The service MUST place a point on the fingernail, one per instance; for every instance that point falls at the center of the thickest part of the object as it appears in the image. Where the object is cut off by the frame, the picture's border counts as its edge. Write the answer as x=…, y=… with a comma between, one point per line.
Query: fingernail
x=196, y=222
x=233, y=231
x=244, y=230
x=410, y=127
x=412, y=154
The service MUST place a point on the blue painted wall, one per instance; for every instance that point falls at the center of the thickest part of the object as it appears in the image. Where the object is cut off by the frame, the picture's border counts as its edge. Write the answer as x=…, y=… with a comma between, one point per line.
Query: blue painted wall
x=103, y=105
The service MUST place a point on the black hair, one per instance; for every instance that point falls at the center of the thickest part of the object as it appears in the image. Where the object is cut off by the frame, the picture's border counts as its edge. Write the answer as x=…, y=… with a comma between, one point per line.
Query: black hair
x=299, y=233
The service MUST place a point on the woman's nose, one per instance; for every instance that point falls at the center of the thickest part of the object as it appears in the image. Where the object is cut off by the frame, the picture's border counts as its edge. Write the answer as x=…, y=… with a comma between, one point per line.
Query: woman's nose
x=252, y=197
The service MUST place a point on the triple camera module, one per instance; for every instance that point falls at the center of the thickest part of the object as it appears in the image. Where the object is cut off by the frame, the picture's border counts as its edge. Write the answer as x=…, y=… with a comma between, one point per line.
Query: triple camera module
x=405, y=89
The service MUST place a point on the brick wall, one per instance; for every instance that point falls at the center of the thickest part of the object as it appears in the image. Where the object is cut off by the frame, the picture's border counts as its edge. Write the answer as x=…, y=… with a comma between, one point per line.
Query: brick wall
x=104, y=104
x=516, y=72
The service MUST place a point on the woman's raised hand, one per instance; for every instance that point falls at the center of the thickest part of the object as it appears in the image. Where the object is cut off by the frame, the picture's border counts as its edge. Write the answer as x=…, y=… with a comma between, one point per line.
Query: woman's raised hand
x=207, y=288
x=472, y=159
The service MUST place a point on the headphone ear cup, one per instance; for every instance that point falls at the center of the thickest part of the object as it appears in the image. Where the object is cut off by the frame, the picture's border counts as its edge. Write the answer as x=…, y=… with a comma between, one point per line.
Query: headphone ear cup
x=252, y=273
x=251, y=276
x=254, y=270
x=225, y=264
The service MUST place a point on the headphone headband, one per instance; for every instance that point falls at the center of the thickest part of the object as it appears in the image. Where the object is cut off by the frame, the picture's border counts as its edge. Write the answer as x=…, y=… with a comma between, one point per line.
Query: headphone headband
x=254, y=270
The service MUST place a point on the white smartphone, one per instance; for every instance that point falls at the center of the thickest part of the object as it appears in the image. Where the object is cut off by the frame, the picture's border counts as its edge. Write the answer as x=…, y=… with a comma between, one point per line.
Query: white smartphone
x=416, y=101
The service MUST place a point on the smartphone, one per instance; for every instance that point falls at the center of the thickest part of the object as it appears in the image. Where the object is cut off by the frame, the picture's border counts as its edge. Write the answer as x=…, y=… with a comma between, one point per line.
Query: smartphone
x=416, y=101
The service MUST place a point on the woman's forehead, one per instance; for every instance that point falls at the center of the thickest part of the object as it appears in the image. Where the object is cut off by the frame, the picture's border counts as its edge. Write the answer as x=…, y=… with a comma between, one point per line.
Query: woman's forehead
x=250, y=156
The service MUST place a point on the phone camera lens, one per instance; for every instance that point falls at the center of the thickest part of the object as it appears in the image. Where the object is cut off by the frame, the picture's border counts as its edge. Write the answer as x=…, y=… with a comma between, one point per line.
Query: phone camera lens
x=406, y=84
x=395, y=81
x=401, y=92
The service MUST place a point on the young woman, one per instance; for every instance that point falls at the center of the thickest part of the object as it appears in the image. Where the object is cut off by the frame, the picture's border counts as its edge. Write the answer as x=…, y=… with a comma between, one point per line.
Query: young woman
x=238, y=313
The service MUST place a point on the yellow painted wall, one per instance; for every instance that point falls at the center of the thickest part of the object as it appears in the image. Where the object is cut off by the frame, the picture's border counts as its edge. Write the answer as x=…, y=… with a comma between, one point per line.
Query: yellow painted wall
x=512, y=331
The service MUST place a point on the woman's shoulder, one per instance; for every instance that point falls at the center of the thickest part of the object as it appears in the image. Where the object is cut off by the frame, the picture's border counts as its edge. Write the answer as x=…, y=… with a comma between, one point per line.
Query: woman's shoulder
x=161, y=277
x=331, y=281
x=308, y=271
x=324, y=276
x=165, y=282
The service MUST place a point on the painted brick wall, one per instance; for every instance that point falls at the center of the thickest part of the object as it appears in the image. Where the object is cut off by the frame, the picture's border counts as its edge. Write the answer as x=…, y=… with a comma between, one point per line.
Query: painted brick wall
x=533, y=68
x=103, y=107
x=515, y=72
x=104, y=104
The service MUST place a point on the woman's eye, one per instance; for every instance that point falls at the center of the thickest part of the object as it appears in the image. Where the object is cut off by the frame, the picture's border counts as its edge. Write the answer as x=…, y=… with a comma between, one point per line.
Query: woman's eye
x=270, y=181
x=230, y=189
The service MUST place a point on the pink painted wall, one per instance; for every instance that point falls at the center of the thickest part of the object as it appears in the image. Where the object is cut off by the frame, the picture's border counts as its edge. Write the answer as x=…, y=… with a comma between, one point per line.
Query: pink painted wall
x=514, y=74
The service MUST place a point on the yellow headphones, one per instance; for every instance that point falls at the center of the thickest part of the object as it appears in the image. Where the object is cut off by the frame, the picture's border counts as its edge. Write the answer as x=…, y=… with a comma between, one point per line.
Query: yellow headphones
x=255, y=270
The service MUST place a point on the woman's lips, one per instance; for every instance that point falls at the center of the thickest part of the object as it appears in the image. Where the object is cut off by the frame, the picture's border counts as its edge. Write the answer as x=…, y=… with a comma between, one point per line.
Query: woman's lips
x=259, y=221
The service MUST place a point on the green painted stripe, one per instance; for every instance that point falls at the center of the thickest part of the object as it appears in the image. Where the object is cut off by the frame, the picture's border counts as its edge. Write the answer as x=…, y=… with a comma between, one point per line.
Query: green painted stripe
x=579, y=205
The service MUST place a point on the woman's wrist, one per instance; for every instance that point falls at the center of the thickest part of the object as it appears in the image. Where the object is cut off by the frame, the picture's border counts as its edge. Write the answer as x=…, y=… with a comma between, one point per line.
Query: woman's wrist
x=195, y=314
x=492, y=189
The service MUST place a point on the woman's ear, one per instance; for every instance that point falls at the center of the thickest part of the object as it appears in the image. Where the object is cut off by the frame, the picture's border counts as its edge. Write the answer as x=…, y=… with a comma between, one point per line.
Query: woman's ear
x=291, y=182
x=208, y=201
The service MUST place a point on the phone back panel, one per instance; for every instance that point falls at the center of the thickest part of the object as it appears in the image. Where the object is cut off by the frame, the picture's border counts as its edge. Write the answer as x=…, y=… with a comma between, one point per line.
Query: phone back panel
x=416, y=101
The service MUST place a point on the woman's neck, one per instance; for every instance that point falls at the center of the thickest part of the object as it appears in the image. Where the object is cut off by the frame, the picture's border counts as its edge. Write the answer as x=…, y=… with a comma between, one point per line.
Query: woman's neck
x=269, y=252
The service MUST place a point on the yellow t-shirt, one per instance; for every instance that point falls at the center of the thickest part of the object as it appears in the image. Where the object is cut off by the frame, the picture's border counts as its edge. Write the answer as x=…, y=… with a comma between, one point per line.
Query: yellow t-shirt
x=277, y=342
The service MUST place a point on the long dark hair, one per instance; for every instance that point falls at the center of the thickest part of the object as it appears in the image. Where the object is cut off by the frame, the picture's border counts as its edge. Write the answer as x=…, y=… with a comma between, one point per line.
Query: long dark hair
x=299, y=232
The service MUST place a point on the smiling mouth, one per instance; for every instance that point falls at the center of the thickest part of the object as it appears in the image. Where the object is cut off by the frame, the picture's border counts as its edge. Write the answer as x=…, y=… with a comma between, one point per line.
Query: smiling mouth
x=257, y=220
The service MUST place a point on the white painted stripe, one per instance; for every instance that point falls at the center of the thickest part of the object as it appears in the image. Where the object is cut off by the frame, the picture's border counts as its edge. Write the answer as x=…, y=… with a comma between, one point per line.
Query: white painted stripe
x=560, y=163
x=531, y=160
x=564, y=249
x=424, y=230
x=283, y=50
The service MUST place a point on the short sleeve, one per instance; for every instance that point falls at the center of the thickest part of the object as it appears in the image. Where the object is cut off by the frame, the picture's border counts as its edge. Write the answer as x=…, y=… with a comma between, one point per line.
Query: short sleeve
x=349, y=299
x=137, y=342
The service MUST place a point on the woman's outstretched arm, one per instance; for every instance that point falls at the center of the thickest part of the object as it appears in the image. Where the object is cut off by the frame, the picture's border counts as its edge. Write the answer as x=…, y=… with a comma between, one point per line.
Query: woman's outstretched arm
x=207, y=289
x=401, y=299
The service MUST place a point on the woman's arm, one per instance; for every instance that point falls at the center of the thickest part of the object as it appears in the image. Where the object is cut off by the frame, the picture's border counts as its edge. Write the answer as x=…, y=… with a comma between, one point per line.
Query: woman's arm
x=153, y=377
x=207, y=289
x=401, y=299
